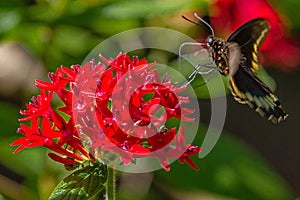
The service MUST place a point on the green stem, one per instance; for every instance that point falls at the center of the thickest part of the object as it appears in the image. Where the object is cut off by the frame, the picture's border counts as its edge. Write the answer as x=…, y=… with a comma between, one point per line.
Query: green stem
x=111, y=184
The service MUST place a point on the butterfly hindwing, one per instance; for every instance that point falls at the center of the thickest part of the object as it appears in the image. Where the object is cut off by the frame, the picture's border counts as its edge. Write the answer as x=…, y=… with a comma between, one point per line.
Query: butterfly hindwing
x=248, y=89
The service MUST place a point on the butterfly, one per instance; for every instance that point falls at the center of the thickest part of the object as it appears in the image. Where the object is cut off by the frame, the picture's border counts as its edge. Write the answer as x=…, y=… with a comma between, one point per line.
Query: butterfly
x=238, y=58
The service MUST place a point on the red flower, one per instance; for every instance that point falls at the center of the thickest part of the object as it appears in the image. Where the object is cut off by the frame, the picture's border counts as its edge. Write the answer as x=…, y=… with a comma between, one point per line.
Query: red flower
x=278, y=49
x=180, y=146
x=107, y=109
x=48, y=128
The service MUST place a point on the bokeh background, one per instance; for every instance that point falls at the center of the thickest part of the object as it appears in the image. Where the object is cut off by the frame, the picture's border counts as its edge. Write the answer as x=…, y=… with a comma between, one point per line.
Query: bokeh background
x=253, y=159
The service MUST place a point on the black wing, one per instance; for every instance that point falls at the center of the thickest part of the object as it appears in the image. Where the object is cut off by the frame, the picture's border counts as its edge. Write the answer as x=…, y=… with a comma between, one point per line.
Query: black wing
x=244, y=84
x=248, y=89
x=249, y=37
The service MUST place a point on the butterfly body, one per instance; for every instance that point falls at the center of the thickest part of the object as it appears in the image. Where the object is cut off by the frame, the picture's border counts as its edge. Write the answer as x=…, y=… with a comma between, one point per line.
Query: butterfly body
x=217, y=49
x=238, y=57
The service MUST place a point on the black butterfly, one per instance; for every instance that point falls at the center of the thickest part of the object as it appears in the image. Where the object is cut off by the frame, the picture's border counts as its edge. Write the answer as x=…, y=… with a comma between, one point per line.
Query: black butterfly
x=238, y=57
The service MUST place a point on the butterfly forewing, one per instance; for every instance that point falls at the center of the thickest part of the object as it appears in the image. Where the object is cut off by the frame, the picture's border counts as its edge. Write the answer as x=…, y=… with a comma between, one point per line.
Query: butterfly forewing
x=249, y=37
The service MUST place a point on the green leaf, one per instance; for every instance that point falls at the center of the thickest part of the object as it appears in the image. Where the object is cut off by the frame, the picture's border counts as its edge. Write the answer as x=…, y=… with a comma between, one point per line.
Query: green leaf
x=82, y=184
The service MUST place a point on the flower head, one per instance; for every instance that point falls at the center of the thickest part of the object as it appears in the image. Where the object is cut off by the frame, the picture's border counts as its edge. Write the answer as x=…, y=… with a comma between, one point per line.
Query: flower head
x=120, y=106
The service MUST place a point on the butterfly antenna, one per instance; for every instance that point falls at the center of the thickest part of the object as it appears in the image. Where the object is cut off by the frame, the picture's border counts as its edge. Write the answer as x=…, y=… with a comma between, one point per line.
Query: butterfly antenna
x=189, y=20
x=190, y=43
x=207, y=24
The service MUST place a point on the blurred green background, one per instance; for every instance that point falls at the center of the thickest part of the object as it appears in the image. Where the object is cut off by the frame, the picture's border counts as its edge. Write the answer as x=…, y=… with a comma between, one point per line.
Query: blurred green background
x=253, y=159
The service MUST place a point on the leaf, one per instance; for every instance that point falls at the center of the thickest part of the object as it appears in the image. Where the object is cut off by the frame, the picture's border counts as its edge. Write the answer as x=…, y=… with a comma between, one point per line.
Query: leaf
x=82, y=184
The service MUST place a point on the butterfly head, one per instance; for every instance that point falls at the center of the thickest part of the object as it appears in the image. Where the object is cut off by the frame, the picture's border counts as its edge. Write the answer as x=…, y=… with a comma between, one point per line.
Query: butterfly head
x=210, y=41
x=214, y=43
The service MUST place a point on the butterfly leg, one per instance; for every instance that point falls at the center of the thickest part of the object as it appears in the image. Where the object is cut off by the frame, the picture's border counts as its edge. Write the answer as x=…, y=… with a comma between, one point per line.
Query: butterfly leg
x=209, y=78
x=193, y=75
x=201, y=51
x=210, y=66
x=191, y=44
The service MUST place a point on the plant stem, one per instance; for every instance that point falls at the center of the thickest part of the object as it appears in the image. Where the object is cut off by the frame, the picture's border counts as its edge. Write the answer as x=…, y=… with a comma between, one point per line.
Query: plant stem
x=111, y=184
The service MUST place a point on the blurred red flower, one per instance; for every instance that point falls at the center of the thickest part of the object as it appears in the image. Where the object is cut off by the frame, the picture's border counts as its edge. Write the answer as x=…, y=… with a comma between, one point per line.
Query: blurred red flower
x=278, y=50
x=92, y=122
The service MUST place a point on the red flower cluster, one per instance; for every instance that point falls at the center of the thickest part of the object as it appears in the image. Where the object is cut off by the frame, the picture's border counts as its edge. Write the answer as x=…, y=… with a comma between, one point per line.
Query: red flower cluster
x=116, y=109
x=278, y=50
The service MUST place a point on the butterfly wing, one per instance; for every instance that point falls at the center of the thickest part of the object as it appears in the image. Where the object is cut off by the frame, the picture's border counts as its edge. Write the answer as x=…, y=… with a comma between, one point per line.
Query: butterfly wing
x=248, y=89
x=245, y=86
x=249, y=37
